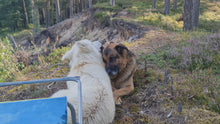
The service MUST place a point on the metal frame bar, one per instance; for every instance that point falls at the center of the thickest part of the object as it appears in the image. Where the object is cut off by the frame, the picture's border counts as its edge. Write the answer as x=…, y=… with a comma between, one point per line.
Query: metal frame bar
x=73, y=113
x=76, y=79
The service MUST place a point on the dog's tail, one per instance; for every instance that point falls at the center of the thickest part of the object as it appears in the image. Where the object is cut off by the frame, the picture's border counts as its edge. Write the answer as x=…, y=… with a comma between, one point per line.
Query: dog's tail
x=67, y=55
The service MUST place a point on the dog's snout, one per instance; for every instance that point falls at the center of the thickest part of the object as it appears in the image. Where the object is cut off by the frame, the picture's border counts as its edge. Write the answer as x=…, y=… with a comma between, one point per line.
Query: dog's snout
x=108, y=71
x=111, y=70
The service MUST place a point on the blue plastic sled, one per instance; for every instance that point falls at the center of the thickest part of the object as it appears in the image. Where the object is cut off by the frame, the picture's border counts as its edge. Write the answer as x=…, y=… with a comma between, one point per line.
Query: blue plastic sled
x=37, y=111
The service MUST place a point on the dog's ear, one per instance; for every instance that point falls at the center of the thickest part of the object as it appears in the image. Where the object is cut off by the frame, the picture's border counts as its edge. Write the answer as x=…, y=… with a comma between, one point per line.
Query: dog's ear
x=120, y=48
x=101, y=49
x=98, y=45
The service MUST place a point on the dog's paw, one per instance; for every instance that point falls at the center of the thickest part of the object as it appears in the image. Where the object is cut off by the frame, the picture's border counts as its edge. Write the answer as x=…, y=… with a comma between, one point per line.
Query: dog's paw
x=118, y=101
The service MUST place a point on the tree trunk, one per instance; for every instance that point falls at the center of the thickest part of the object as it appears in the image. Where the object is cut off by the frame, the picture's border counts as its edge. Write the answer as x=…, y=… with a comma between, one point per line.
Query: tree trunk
x=80, y=5
x=26, y=16
x=112, y=2
x=44, y=15
x=90, y=3
x=154, y=4
x=48, y=14
x=174, y=4
x=187, y=20
x=76, y=6
x=71, y=8
x=166, y=7
x=57, y=11
x=85, y=4
x=35, y=18
x=52, y=10
x=38, y=18
x=74, y=10
x=195, y=13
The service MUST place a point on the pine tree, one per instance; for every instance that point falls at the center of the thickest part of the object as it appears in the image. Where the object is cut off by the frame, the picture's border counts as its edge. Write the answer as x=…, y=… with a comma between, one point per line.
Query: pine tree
x=57, y=11
x=195, y=13
x=112, y=2
x=26, y=16
x=71, y=8
x=90, y=3
x=154, y=4
x=174, y=4
x=48, y=14
x=35, y=18
x=166, y=7
x=187, y=20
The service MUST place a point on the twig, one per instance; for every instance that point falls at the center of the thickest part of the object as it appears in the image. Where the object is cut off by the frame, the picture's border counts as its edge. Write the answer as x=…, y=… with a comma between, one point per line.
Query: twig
x=145, y=66
x=166, y=77
x=49, y=86
x=191, y=97
x=170, y=114
x=171, y=86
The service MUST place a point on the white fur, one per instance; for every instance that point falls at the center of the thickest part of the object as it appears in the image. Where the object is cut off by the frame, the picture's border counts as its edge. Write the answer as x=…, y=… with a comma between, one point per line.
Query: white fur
x=98, y=106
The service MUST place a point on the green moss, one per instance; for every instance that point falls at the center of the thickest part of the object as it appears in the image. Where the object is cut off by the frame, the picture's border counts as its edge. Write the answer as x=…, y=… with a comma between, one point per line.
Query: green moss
x=134, y=109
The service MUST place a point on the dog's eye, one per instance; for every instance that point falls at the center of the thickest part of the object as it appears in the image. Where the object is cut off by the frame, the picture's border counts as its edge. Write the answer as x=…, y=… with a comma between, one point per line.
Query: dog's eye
x=103, y=60
x=112, y=59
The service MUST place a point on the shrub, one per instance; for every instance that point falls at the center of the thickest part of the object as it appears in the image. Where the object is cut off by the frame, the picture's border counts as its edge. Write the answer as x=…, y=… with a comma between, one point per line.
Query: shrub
x=200, y=88
x=195, y=54
x=55, y=56
x=8, y=66
x=199, y=53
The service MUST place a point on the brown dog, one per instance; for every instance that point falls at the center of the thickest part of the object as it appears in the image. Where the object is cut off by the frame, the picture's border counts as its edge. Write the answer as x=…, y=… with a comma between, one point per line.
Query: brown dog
x=120, y=64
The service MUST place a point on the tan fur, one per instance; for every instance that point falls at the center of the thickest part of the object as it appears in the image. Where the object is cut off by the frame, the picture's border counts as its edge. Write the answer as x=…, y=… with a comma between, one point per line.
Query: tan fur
x=122, y=82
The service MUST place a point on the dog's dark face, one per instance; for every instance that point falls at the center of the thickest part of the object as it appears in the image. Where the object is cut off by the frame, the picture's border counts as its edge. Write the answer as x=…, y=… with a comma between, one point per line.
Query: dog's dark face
x=115, y=58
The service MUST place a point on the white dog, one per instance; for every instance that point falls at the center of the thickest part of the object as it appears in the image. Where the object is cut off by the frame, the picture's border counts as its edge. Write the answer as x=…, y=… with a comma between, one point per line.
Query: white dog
x=98, y=105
